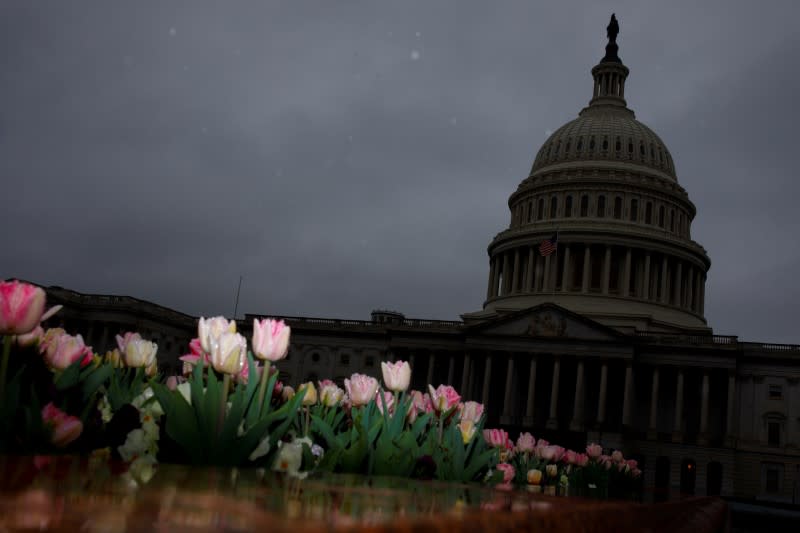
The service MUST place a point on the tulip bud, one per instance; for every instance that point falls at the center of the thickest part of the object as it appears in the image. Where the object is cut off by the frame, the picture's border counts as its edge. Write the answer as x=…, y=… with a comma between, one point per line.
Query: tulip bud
x=140, y=353
x=396, y=376
x=270, y=339
x=21, y=307
x=552, y=470
x=310, y=397
x=468, y=429
x=534, y=477
x=228, y=352
x=330, y=393
x=287, y=393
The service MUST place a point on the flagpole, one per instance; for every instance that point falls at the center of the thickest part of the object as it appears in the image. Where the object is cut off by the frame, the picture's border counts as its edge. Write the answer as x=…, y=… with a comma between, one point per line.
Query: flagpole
x=236, y=305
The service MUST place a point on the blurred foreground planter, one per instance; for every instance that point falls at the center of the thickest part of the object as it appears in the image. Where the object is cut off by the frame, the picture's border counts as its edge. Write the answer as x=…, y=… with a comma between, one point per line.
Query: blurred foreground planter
x=75, y=493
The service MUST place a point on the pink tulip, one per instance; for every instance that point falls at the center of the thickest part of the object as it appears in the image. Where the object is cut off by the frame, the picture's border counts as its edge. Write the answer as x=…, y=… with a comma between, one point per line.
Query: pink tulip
x=617, y=457
x=496, y=438
x=570, y=457
x=361, y=389
x=270, y=339
x=123, y=340
x=508, y=472
x=64, y=350
x=444, y=398
x=388, y=398
x=467, y=428
x=526, y=443
x=65, y=428
x=582, y=459
x=33, y=338
x=594, y=451
x=21, y=307
x=244, y=375
x=636, y=473
x=209, y=329
x=472, y=411
x=396, y=376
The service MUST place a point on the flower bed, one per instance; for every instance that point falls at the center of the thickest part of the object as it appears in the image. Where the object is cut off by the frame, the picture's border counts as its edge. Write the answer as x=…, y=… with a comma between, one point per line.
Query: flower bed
x=230, y=409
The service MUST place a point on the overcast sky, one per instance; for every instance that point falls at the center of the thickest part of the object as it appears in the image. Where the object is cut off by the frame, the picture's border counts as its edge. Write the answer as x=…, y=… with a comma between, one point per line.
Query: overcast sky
x=349, y=155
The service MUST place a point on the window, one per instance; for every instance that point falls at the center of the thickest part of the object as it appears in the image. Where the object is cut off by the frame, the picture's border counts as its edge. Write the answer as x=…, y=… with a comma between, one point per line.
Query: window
x=580, y=145
x=605, y=143
x=772, y=477
x=601, y=206
x=771, y=484
x=553, y=206
x=530, y=210
x=773, y=433
x=618, y=207
x=648, y=213
x=585, y=205
x=315, y=357
x=618, y=145
x=591, y=144
x=775, y=392
x=568, y=206
x=661, y=216
x=634, y=210
x=344, y=359
x=672, y=220
x=540, y=209
x=369, y=361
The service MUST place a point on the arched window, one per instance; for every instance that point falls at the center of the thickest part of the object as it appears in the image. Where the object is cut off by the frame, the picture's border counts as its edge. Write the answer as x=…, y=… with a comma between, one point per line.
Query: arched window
x=601, y=206
x=605, y=143
x=714, y=478
x=568, y=206
x=530, y=210
x=688, y=476
x=540, y=209
x=672, y=220
x=553, y=206
x=579, y=147
x=634, y=210
x=585, y=205
x=618, y=207
x=591, y=144
x=618, y=145
x=569, y=144
x=661, y=216
x=648, y=213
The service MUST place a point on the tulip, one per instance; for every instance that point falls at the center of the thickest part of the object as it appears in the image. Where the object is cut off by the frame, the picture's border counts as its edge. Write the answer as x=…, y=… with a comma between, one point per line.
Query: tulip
x=468, y=429
x=396, y=376
x=114, y=358
x=526, y=443
x=330, y=393
x=617, y=457
x=632, y=463
x=570, y=457
x=212, y=328
x=123, y=340
x=152, y=369
x=388, y=399
x=310, y=397
x=228, y=352
x=508, y=472
x=21, y=307
x=139, y=352
x=496, y=438
x=552, y=470
x=65, y=428
x=472, y=411
x=582, y=459
x=32, y=338
x=534, y=477
x=444, y=397
x=594, y=451
x=287, y=393
x=65, y=350
x=270, y=339
x=361, y=389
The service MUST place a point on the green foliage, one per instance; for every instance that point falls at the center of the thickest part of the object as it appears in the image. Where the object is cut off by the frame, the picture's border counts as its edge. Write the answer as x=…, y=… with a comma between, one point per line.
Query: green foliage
x=209, y=432
x=124, y=386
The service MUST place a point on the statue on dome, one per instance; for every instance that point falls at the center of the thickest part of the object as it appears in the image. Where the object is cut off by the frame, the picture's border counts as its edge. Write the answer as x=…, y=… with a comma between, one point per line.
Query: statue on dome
x=612, y=30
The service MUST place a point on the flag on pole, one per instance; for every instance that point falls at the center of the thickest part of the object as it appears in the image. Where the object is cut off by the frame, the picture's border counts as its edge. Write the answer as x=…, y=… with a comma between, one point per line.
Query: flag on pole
x=548, y=246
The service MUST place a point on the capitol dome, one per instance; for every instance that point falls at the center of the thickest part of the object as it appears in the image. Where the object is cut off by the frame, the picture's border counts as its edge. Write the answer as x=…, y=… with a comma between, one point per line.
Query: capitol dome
x=604, y=190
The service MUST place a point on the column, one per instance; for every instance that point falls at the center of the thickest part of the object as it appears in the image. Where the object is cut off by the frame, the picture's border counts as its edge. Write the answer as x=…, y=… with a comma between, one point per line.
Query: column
x=587, y=265
x=515, y=272
x=627, y=396
x=490, y=289
x=730, y=435
x=506, y=272
x=698, y=285
x=601, y=403
x=663, y=298
x=565, y=273
x=508, y=398
x=537, y=278
x=676, y=292
x=689, y=286
x=487, y=380
x=465, y=378
x=646, y=288
x=529, y=412
x=652, y=430
x=677, y=428
x=451, y=370
x=431, y=368
x=552, y=421
x=529, y=274
x=577, y=410
x=606, y=269
x=703, y=437
x=627, y=273
x=546, y=276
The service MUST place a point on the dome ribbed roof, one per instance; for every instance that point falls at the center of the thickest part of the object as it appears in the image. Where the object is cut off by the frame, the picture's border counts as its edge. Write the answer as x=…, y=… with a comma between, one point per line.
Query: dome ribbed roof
x=606, y=133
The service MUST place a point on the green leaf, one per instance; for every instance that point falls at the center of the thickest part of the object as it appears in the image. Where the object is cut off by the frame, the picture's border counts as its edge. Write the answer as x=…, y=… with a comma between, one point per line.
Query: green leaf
x=95, y=380
x=69, y=377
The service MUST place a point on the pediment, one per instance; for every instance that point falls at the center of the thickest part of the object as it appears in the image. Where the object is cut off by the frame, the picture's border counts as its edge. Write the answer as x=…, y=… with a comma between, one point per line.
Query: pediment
x=547, y=321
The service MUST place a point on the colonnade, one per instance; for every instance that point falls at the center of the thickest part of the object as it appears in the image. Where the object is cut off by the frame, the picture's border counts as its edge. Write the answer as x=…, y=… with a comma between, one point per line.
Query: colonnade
x=604, y=269
x=476, y=384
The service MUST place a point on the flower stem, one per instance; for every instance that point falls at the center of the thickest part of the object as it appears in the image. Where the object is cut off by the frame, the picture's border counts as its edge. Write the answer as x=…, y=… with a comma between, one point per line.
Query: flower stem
x=226, y=383
x=7, y=340
x=262, y=388
x=307, y=421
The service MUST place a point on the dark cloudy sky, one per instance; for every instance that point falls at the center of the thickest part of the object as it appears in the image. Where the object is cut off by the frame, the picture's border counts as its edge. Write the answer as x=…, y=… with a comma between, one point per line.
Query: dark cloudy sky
x=348, y=155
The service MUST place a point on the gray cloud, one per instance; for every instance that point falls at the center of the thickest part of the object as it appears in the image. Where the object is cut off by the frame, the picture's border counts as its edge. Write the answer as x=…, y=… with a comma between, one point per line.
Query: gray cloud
x=344, y=156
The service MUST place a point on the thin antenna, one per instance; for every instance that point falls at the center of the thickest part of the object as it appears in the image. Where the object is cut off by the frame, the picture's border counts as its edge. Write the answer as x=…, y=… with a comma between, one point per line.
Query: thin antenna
x=236, y=305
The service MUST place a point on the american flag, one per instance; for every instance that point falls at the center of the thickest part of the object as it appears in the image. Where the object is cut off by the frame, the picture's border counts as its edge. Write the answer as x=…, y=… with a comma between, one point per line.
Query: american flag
x=548, y=246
